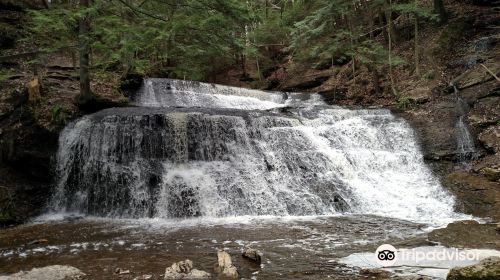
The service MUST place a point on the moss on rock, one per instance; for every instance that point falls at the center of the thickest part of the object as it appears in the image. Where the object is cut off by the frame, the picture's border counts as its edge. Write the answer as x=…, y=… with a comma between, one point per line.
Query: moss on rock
x=487, y=269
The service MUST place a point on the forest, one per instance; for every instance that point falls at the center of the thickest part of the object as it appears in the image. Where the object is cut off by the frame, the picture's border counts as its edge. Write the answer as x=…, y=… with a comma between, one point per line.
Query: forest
x=182, y=39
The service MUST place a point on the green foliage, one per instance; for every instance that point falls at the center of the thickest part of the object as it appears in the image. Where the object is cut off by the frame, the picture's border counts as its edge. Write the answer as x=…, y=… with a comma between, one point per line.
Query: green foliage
x=413, y=8
x=178, y=37
x=4, y=75
x=338, y=29
x=5, y=216
x=429, y=75
x=58, y=114
x=197, y=39
x=404, y=103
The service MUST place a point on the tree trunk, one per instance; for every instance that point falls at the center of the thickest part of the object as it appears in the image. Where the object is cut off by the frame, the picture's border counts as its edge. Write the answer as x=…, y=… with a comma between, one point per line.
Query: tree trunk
x=351, y=39
x=440, y=10
x=84, y=52
x=417, y=53
x=381, y=23
x=376, y=81
x=393, y=34
x=388, y=13
x=266, y=7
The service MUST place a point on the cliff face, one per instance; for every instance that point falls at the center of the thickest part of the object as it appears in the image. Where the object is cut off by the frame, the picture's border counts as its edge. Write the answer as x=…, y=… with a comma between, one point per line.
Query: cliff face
x=26, y=148
x=33, y=111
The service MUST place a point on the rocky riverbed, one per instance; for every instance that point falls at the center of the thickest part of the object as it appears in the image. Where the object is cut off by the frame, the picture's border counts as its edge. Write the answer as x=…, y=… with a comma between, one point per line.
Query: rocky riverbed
x=300, y=248
x=291, y=248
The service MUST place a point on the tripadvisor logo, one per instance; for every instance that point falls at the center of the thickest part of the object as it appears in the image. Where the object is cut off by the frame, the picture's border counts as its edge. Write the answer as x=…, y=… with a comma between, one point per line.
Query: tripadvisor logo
x=385, y=255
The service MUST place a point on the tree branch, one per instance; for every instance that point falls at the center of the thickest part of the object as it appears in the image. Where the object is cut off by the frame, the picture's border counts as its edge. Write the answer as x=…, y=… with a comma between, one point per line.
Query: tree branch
x=491, y=72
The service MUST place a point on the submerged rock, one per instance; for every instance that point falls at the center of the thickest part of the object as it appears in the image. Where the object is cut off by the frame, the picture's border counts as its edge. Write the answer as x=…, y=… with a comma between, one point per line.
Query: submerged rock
x=144, y=277
x=488, y=268
x=375, y=273
x=411, y=277
x=122, y=271
x=224, y=266
x=184, y=270
x=252, y=255
x=53, y=272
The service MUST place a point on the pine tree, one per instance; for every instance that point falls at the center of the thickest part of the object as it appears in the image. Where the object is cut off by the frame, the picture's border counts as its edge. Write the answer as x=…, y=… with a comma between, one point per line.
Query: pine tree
x=177, y=38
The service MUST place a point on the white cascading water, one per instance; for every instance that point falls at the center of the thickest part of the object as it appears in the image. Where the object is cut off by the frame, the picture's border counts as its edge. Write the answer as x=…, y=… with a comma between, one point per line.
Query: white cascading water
x=466, y=149
x=195, y=149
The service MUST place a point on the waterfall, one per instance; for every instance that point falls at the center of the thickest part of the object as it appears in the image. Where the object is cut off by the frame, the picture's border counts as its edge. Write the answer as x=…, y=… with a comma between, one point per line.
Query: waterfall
x=466, y=149
x=194, y=149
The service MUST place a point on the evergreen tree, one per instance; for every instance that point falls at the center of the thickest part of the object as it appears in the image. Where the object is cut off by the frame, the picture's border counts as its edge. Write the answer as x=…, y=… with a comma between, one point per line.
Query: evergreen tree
x=180, y=38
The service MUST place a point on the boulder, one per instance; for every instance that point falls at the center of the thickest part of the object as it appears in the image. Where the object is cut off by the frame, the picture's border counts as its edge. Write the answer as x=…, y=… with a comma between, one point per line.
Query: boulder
x=468, y=234
x=252, y=255
x=224, y=266
x=476, y=75
x=486, y=111
x=487, y=269
x=489, y=166
x=184, y=270
x=53, y=272
x=490, y=138
x=472, y=94
x=305, y=82
x=418, y=95
x=475, y=194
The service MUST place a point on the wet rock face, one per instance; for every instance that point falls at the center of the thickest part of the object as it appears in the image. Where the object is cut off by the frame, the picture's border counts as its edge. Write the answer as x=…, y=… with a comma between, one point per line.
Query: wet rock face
x=435, y=126
x=26, y=153
x=487, y=269
x=475, y=194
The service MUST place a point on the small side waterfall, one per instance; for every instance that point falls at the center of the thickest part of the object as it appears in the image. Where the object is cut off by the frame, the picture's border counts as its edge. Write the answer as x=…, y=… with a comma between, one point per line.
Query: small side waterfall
x=209, y=150
x=466, y=149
